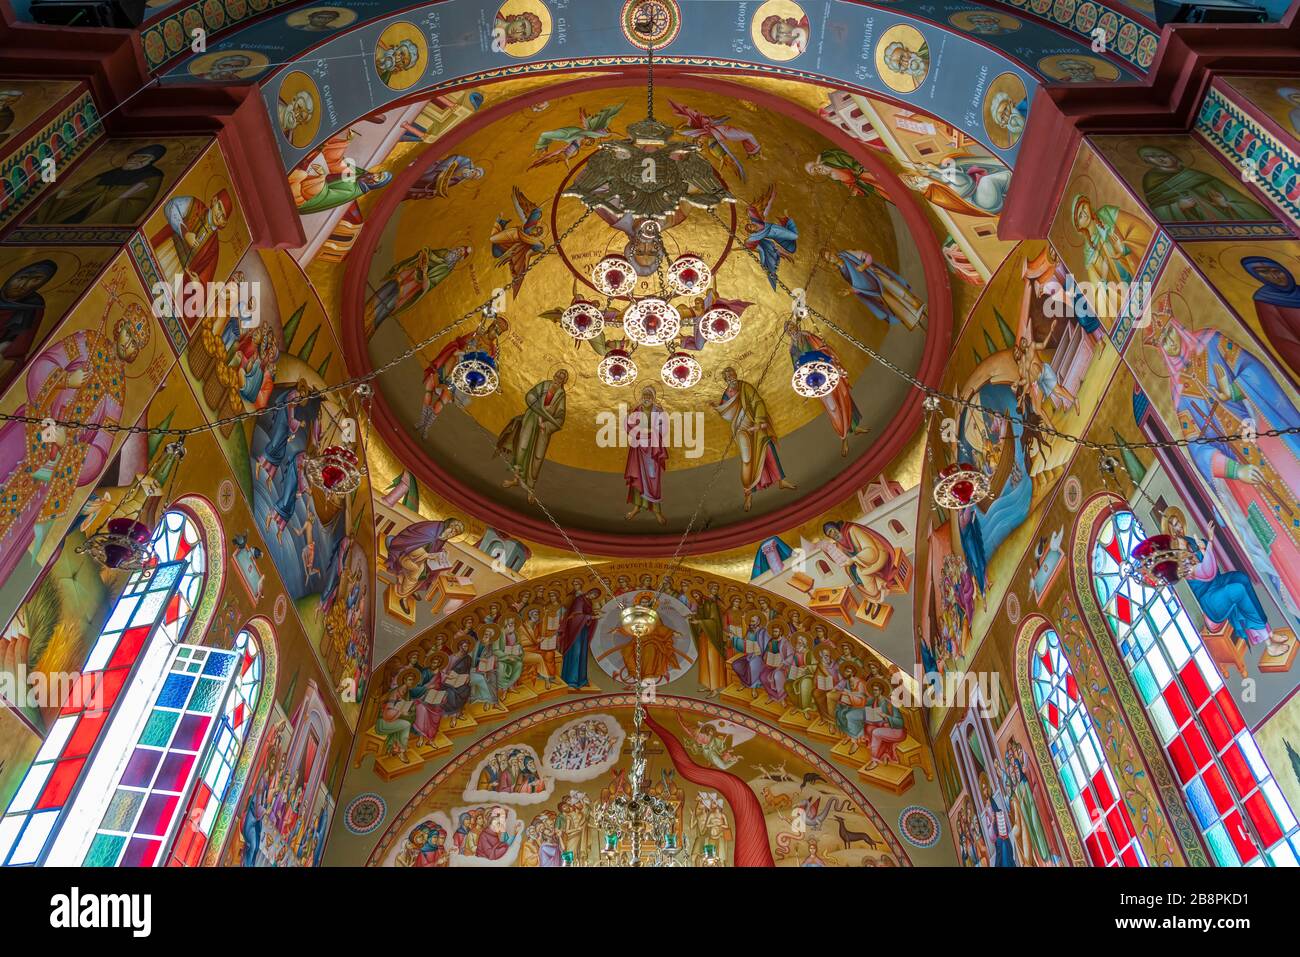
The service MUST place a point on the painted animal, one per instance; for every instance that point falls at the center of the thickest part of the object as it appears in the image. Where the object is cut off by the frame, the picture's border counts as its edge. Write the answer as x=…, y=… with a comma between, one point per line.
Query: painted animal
x=848, y=836
x=773, y=801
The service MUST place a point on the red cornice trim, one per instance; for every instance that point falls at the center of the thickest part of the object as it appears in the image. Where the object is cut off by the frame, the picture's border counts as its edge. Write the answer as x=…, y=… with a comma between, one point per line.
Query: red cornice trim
x=1165, y=102
x=856, y=474
x=111, y=63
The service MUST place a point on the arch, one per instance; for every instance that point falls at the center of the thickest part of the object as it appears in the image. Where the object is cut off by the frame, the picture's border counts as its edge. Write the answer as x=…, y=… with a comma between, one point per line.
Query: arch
x=1239, y=809
x=1097, y=812
x=204, y=514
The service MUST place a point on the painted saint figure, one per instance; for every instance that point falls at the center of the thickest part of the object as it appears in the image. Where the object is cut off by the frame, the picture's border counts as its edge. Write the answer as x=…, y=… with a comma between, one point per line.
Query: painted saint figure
x=744, y=410
x=574, y=639
x=119, y=196
x=514, y=246
x=647, y=456
x=1114, y=241
x=1177, y=193
x=192, y=236
x=22, y=307
x=886, y=294
x=408, y=281
x=417, y=554
x=841, y=410
x=525, y=438
x=1277, y=306
x=773, y=240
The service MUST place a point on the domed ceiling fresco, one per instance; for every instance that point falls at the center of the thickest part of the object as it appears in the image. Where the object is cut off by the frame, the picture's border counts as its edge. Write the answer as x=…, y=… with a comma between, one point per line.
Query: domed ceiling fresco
x=485, y=214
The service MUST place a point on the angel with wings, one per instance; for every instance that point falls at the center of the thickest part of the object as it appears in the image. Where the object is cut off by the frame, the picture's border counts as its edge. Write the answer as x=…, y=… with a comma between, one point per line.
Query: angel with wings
x=774, y=240
x=695, y=311
x=562, y=145
x=716, y=133
x=516, y=245
x=708, y=741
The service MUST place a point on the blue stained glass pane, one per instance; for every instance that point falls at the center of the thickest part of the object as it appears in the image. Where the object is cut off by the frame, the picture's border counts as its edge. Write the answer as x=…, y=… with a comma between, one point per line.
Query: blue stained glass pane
x=1067, y=779
x=103, y=850
x=166, y=574
x=1146, y=682
x=1199, y=799
x=219, y=665
x=175, y=691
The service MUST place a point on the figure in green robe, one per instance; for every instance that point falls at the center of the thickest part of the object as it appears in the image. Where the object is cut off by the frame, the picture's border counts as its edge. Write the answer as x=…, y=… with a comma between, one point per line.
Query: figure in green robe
x=525, y=438
x=407, y=282
x=1178, y=194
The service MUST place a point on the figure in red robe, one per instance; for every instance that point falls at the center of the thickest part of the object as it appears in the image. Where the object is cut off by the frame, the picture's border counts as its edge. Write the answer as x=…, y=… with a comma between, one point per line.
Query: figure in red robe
x=647, y=456
x=1277, y=304
x=192, y=236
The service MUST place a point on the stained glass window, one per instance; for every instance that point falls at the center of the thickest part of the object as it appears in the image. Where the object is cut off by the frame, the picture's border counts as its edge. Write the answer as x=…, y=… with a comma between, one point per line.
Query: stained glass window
x=1081, y=765
x=1233, y=797
x=135, y=767
x=223, y=754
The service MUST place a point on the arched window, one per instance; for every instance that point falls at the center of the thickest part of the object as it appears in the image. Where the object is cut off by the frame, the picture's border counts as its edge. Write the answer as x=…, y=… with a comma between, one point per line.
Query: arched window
x=1080, y=762
x=218, y=768
x=142, y=751
x=1229, y=788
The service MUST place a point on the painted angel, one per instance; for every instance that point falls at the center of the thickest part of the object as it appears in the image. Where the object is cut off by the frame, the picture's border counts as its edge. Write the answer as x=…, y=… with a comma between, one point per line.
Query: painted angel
x=563, y=144
x=717, y=133
x=774, y=240
x=708, y=741
x=514, y=246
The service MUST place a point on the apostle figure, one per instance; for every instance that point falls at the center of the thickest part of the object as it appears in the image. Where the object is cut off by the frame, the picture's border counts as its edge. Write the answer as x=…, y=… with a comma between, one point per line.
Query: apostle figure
x=970, y=185
x=401, y=56
x=192, y=235
x=574, y=639
x=417, y=553
x=438, y=179
x=745, y=411
x=22, y=307
x=1178, y=194
x=1277, y=306
x=647, y=457
x=885, y=293
x=120, y=196
x=839, y=165
x=1216, y=386
x=840, y=408
x=406, y=282
x=710, y=645
x=658, y=655
x=439, y=389
x=749, y=651
x=316, y=187
x=525, y=438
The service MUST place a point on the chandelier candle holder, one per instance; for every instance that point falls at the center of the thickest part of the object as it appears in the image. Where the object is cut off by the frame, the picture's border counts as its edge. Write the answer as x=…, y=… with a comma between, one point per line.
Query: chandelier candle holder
x=959, y=486
x=1159, y=561
x=124, y=543
x=719, y=325
x=614, y=276
x=652, y=322
x=583, y=320
x=336, y=471
x=476, y=374
x=681, y=371
x=617, y=368
x=815, y=375
x=688, y=275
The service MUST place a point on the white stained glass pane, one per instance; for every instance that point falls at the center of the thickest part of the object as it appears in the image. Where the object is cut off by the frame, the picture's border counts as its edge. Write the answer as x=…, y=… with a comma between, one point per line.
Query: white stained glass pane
x=57, y=738
x=121, y=616
x=1283, y=856
x=30, y=789
x=1162, y=717
x=33, y=839
x=1160, y=616
x=9, y=828
x=1081, y=815
x=1258, y=766
x=1176, y=648
x=150, y=606
x=1160, y=669
x=1213, y=680
x=1278, y=803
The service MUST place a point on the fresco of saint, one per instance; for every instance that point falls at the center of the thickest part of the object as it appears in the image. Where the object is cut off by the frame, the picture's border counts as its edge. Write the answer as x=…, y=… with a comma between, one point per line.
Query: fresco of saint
x=1277, y=306
x=22, y=307
x=886, y=294
x=525, y=438
x=407, y=282
x=647, y=457
x=744, y=410
x=190, y=245
x=1113, y=241
x=1216, y=385
x=1178, y=194
x=118, y=196
x=841, y=410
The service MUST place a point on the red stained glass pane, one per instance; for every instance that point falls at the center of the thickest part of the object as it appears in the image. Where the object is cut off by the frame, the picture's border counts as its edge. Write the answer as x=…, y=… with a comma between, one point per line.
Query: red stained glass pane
x=1112, y=549
x=1095, y=853
x=81, y=692
x=173, y=612
x=1229, y=708
x=1117, y=825
x=1177, y=704
x=1182, y=759
x=1218, y=788
x=128, y=646
x=1046, y=659
x=1196, y=744
x=140, y=853
x=1194, y=683
x=1216, y=727
x=1071, y=688
x=1089, y=803
x=1124, y=609
x=60, y=783
x=1240, y=839
x=1104, y=794
x=1261, y=815
x=111, y=687
x=1053, y=715
x=1238, y=770
x=1130, y=857
x=85, y=735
